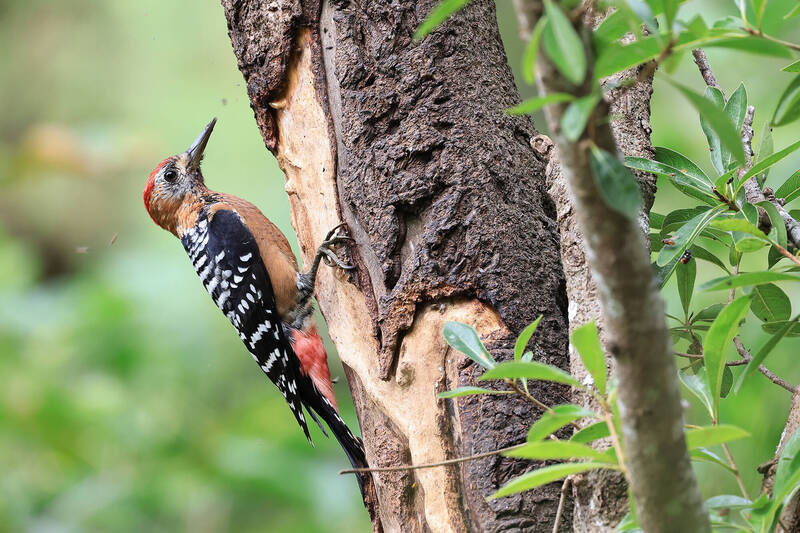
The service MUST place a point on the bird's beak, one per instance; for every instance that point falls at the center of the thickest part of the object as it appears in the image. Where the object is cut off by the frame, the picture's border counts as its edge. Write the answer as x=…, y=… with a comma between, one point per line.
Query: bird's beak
x=195, y=151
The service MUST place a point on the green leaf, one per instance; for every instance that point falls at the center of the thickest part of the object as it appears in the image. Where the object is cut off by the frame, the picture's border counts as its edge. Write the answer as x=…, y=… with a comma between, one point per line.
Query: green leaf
x=778, y=231
x=727, y=382
x=788, y=467
x=746, y=279
x=645, y=14
x=543, y=476
x=758, y=9
x=765, y=146
x=741, y=225
x=683, y=163
x=773, y=257
x=712, y=435
x=716, y=344
x=532, y=51
x=592, y=432
x=617, y=185
x=728, y=501
x=698, y=252
x=524, y=337
x=439, y=14
x=698, y=385
x=656, y=220
x=611, y=28
x=708, y=313
x=577, y=114
x=717, y=152
x=562, y=44
x=530, y=370
x=761, y=166
x=670, y=10
x=470, y=391
x=686, y=275
x=775, y=327
x=750, y=44
x=786, y=327
x=677, y=218
x=586, y=340
x=557, y=449
x=618, y=56
x=534, y=104
x=556, y=418
x=794, y=67
x=770, y=303
x=787, y=478
x=788, y=109
x=718, y=121
x=793, y=13
x=790, y=189
x=466, y=340
x=682, y=181
x=687, y=233
x=704, y=455
x=735, y=109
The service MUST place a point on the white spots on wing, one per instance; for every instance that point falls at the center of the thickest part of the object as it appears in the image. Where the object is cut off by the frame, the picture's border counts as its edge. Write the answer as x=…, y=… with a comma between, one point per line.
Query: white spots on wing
x=259, y=332
x=237, y=279
x=246, y=257
x=223, y=297
x=220, y=256
x=245, y=304
x=253, y=288
x=205, y=272
x=250, y=297
x=226, y=274
x=242, y=270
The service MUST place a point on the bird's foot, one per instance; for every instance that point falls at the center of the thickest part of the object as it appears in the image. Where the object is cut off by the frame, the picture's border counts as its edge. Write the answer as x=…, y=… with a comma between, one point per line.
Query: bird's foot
x=326, y=250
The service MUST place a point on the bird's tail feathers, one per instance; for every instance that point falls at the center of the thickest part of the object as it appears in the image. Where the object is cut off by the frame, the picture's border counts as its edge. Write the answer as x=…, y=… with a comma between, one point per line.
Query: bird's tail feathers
x=353, y=447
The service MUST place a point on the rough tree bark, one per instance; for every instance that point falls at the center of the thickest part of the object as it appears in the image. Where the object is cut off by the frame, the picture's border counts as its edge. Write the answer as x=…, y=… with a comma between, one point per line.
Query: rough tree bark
x=408, y=144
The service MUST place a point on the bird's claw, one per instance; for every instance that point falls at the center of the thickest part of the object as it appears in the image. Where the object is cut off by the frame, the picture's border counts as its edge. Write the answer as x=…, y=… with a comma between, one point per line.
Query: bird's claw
x=331, y=240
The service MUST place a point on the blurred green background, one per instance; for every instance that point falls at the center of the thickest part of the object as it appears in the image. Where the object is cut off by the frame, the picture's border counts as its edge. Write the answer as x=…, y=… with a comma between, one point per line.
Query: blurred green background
x=126, y=401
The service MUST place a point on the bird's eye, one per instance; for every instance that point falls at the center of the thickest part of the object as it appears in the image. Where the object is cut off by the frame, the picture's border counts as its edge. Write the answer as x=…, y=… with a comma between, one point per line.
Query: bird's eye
x=170, y=175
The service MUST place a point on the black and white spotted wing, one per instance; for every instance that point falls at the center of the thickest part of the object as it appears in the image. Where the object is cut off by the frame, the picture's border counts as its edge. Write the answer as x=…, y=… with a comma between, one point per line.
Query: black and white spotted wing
x=226, y=257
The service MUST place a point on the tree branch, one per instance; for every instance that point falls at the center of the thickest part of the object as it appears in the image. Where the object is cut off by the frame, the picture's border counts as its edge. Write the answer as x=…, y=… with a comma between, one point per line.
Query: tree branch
x=635, y=323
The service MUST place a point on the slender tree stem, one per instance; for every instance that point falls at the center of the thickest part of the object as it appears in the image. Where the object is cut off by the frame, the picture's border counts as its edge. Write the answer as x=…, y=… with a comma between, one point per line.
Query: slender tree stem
x=735, y=469
x=561, y=500
x=759, y=33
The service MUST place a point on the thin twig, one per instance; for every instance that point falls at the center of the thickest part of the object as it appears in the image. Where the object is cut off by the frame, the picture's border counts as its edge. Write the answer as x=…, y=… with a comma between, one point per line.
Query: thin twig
x=705, y=69
x=759, y=33
x=738, y=362
x=432, y=465
x=770, y=375
x=753, y=195
x=736, y=472
x=752, y=189
x=561, y=500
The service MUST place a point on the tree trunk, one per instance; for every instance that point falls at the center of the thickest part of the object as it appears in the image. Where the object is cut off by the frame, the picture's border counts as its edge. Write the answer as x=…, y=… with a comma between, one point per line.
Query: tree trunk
x=408, y=144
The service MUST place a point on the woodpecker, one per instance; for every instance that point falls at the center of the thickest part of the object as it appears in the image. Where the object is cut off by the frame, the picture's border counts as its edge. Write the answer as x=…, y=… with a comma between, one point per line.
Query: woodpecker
x=248, y=268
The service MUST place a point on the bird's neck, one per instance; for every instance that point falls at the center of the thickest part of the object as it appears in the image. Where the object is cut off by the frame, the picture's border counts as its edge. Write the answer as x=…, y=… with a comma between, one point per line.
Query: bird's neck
x=178, y=215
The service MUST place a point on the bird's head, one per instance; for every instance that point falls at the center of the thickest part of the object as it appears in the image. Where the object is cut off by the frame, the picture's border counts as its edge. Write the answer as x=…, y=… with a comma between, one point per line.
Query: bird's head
x=175, y=182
